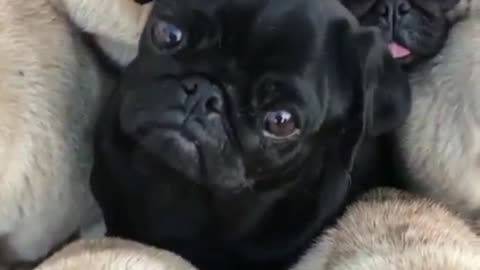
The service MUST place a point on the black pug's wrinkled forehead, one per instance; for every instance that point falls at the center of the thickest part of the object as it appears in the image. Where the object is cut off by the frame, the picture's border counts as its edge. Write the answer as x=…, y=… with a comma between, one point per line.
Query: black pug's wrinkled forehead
x=282, y=34
x=243, y=90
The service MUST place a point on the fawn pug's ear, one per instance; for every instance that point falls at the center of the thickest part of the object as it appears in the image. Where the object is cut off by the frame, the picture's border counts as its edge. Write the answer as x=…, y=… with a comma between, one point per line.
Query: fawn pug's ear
x=382, y=94
x=447, y=5
x=455, y=10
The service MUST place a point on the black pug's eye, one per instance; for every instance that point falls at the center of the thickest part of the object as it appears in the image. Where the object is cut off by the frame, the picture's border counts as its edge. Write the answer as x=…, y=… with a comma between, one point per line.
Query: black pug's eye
x=167, y=36
x=280, y=125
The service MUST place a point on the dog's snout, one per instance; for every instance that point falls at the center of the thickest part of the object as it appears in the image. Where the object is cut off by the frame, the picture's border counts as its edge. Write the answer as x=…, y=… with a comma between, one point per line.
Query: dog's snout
x=204, y=97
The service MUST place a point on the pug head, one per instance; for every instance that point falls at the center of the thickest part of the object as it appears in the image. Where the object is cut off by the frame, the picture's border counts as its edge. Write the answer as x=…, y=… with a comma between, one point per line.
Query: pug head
x=235, y=95
x=414, y=29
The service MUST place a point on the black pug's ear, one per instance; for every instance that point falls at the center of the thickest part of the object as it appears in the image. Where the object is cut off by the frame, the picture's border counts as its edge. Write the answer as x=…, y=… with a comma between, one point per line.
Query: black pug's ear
x=386, y=87
x=382, y=94
x=358, y=7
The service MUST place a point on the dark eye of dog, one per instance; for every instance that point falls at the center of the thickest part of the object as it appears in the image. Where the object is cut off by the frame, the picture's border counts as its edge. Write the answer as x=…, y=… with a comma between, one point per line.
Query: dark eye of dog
x=167, y=36
x=280, y=125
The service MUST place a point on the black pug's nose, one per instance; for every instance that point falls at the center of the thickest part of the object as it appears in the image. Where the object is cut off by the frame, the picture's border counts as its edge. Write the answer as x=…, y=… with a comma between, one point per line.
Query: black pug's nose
x=203, y=97
x=178, y=104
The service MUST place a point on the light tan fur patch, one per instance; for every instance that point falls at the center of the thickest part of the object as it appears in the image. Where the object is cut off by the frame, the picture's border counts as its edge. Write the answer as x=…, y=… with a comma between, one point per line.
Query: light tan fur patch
x=440, y=142
x=51, y=90
x=113, y=254
x=460, y=11
x=392, y=230
x=117, y=25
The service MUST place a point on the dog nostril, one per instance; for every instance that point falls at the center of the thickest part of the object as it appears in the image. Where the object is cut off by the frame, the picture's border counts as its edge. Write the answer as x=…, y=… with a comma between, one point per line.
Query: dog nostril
x=214, y=104
x=403, y=8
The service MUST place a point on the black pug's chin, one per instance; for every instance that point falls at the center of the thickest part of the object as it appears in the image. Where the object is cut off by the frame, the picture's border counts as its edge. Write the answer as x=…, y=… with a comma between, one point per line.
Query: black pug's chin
x=190, y=152
x=174, y=149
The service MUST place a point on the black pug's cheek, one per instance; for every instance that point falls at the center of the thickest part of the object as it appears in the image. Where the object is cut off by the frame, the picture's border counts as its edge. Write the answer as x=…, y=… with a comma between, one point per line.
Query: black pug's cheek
x=145, y=107
x=226, y=174
x=172, y=149
x=221, y=165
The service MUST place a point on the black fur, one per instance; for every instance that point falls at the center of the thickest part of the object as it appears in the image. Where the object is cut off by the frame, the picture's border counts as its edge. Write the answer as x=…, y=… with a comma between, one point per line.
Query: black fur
x=182, y=159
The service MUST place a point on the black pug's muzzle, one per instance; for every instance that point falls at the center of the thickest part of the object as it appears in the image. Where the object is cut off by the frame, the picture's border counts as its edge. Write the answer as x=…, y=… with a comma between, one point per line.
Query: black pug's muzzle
x=184, y=123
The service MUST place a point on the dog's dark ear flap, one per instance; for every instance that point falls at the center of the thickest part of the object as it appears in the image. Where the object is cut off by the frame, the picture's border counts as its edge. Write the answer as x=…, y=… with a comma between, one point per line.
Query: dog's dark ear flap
x=358, y=7
x=382, y=94
x=385, y=86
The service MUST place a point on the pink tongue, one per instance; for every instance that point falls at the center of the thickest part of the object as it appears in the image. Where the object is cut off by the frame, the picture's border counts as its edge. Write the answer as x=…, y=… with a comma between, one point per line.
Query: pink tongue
x=398, y=51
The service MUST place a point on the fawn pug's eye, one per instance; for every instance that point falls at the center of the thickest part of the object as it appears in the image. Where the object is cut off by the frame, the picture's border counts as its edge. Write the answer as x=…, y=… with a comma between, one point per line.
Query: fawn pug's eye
x=167, y=36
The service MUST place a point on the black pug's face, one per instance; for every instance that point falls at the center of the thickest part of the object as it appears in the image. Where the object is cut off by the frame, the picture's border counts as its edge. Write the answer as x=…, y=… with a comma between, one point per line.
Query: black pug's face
x=414, y=29
x=236, y=94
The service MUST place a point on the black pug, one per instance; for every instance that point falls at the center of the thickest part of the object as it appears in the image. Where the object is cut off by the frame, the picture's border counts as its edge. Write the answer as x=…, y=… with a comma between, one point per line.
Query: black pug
x=415, y=30
x=244, y=127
